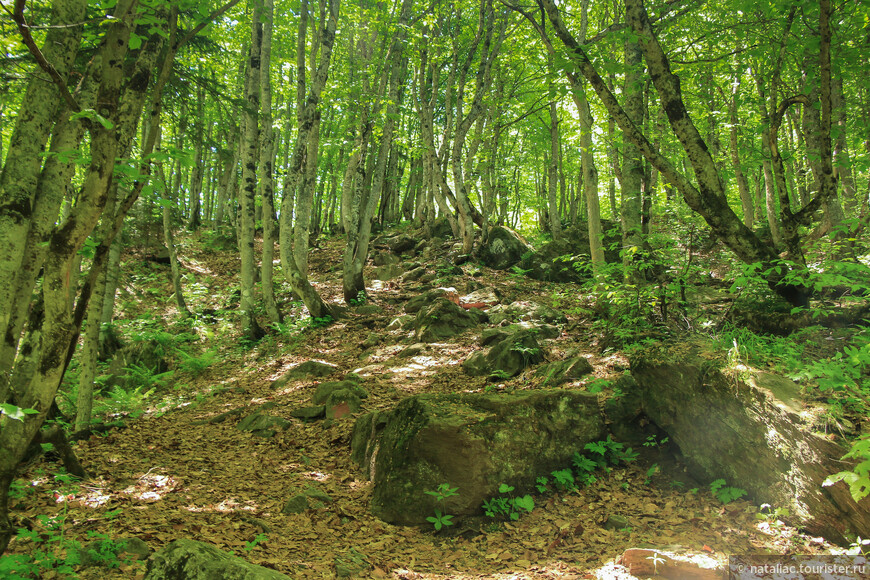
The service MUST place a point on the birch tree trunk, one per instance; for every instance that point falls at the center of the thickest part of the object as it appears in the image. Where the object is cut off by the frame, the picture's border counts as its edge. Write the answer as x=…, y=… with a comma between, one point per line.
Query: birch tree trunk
x=267, y=158
x=248, y=192
x=298, y=278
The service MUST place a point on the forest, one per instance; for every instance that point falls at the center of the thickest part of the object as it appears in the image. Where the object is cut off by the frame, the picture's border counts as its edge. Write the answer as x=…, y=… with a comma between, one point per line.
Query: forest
x=429, y=289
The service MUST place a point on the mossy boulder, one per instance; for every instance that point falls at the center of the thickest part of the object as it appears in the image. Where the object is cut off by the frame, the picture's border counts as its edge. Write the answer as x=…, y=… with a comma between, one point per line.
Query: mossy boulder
x=570, y=369
x=474, y=442
x=442, y=319
x=751, y=429
x=509, y=357
x=262, y=425
x=504, y=248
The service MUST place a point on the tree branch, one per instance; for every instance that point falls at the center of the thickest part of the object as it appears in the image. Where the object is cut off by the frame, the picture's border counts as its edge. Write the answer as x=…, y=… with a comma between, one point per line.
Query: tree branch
x=27, y=39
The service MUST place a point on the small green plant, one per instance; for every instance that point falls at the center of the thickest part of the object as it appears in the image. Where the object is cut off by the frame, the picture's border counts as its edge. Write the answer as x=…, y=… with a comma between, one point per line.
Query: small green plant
x=653, y=470
x=724, y=493
x=506, y=506
x=771, y=514
x=564, y=480
x=361, y=298
x=440, y=519
x=652, y=442
x=542, y=484
x=258, y=539
x=518, y=273
x=146, y=378
x=195, y=365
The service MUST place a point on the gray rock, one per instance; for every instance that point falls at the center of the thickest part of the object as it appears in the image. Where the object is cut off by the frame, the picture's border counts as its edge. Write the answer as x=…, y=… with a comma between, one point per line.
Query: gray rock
x=414, y=275
x=400, y=243
x=262, y=425
x=351, y=563
x=508, y=358
x=402, y=322
x=105, y=552
x=558, y=372
x=504, y=248
x=327, y=392
x=385, y=259
x=749, y=430
x=442, y=319
x=474, y=442
x=311, y=413
x=191, y=560
x=387, y=272
x=414, y=305
x=524, y=310
x=308, y=369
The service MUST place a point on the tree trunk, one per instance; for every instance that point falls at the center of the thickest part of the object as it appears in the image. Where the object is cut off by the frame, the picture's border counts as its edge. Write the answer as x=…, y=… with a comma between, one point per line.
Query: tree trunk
x=632, y=166
x=247, y=194
x=267, y=158
x=297, y=278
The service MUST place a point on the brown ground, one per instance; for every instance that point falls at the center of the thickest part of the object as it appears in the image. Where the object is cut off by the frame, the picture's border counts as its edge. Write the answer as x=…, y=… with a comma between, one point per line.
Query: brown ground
x=176, y=476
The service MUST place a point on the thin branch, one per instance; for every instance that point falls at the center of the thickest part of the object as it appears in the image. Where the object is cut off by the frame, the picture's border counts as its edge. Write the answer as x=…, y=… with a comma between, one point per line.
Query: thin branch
x=211, y=17
x=27, y=38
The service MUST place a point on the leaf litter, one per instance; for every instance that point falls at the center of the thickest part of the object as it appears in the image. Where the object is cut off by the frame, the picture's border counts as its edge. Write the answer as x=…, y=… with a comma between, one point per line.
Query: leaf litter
x=189, y=473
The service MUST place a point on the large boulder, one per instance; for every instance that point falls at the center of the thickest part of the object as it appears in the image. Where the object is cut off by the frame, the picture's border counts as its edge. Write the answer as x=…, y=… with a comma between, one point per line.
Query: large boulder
x=192, y=560
x=504, y=248
x=752, y=430
x=557, y=261
x=509, y=357
x=473, y=442
x=442, y=319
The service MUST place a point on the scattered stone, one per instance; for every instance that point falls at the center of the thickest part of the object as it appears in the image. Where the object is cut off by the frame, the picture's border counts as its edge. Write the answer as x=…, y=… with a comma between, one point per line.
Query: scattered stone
x=351, y=563
x=262, y=425
x=472, y=441
x=413, y=275
x=308, y=369
x=508, y=358
x=414, y=305
x=368, y=309
x=191, y=560
x=296, y=504
x=311, y=413
x=333, y=392
x=385, y=259
x=504, y=248
x=412, y=350
x=558, y=372
x=387, y=272
x=400, y=243
x=487, y=295
x=442, y=319
x=403, y=322
x=615, y=523
x=524, y=310
x=428, y=278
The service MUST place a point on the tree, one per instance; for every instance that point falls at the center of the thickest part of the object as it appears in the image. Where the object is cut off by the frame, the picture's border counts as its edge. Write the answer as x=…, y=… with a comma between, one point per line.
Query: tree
x=708, y=197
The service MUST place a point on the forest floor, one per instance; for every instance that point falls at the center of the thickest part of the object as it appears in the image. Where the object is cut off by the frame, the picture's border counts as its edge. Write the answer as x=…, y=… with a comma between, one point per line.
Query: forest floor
x=169, y=473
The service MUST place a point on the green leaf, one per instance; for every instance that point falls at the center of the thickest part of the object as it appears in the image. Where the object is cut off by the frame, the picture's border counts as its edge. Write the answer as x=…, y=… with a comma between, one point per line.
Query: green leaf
x=135, y=41
x=15, y=412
